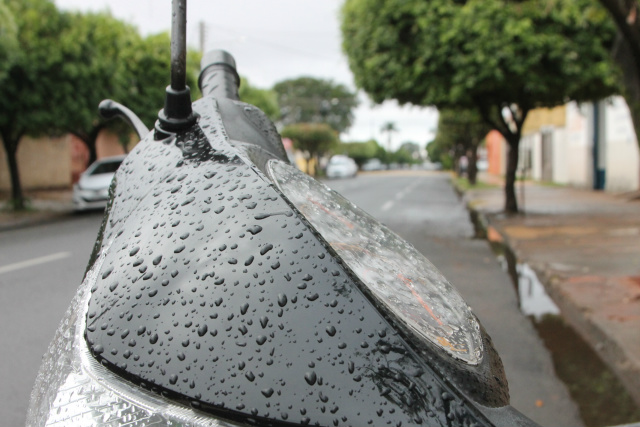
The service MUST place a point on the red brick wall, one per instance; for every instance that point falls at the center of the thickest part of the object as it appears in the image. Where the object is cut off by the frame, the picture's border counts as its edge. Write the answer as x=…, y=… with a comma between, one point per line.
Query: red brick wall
x=495, y=152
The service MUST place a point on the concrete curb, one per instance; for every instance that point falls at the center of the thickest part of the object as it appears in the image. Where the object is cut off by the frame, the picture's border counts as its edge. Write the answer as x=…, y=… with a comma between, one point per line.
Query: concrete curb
x=10, y=222
x=600, y=338
x=45, y=207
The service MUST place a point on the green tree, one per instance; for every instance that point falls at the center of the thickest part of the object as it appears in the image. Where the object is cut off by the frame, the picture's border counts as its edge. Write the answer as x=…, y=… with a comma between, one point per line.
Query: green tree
x=460, y=133
x=132, y=70
x=67, y=63
x=359, y=151
x=8, y=40
x=311, y=100
x=384, y=155
x=315, y=139
x=264, y=99
x=37, y=89
x=440, y=153
x=501, y=58
x=389, y=128
x=413, y=149
x=97, y=63
x=626, y=51
x=403, y=156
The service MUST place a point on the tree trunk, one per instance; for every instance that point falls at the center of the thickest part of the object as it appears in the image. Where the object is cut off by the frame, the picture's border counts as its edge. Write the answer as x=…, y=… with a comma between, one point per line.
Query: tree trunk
x=634, y=107
x=626, y=52
x=472, y=169
x=458, y=152
x=90, y=139
x=11, y=149
x=629, y=65
x=511, y=202
x=511, y=131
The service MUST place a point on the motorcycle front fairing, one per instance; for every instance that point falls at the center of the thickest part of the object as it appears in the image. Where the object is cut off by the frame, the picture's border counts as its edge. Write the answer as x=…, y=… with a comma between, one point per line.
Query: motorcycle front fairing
x=209, y=289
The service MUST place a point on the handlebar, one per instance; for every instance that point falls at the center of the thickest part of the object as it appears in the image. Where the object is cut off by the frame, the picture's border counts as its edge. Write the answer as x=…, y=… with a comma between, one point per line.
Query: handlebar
x=219, y=77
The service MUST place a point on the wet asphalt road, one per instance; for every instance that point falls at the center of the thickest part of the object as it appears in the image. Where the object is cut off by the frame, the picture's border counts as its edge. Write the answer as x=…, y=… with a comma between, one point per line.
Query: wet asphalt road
x=423, y=208
x=40, y=270
x=41, y=267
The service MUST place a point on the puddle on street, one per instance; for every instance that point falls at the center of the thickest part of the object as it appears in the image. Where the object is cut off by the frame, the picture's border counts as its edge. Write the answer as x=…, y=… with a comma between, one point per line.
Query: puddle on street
x=602, y=400
x=532, y=297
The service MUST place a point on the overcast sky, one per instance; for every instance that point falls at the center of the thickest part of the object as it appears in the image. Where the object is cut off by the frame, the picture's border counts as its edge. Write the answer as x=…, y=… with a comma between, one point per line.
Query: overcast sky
x=273, y=41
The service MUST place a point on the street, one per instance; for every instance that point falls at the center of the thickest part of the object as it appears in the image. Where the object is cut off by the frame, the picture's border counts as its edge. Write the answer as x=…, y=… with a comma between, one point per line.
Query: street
x=41, y=266
x=40, y=269
x=423, y=208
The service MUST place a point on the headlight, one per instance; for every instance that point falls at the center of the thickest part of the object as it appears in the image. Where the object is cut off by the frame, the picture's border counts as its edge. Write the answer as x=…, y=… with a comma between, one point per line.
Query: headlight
x=394, y=272
x=72, y=389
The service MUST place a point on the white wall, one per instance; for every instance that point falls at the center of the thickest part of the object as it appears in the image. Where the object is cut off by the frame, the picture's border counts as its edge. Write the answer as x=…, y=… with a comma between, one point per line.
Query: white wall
x=622, y=156
x=529, y=144
x=578, y=142
x=561, y=155
x=572, y=147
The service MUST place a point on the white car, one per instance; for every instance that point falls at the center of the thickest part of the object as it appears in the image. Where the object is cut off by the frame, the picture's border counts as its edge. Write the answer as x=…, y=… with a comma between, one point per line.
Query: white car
x=341, y=167
x=373, y=165
x=92, y=190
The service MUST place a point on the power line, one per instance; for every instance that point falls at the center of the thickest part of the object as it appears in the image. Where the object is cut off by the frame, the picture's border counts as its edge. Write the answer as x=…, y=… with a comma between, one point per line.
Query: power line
x=243, y=37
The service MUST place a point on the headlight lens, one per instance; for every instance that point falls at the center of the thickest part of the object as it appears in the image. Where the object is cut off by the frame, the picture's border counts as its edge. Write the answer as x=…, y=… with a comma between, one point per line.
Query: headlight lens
x=394, y=271
x=72, y=389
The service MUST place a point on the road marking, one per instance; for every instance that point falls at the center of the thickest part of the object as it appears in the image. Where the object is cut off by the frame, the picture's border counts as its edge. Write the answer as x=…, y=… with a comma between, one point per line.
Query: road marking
x=34, y=262
x=400, y=195
x=403, y=193
x=388, y=205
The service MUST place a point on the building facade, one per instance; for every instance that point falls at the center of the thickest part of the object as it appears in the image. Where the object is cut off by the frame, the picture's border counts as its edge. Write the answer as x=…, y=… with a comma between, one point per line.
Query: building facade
x=589, y=145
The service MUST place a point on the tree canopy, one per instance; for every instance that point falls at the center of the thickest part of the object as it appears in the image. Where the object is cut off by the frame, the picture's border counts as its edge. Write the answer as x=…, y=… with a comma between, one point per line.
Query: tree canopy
x=360, y=151
x=97, y=64
x=119, y=64
x=147, y=73
x=389, y=128
x=264, y=99
x=311, y=100
x=65, y=64
x=314, y=138
x=8, y=40
x=626, y=52
x=499, y=57
x=36, y=87
x=412, y=148
x=460, y=133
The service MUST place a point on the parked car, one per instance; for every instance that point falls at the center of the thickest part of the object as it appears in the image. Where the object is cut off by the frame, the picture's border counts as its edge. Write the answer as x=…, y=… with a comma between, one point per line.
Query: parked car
x=429, y=166
x=373, y=165
x=341, y=167
x=92, y=190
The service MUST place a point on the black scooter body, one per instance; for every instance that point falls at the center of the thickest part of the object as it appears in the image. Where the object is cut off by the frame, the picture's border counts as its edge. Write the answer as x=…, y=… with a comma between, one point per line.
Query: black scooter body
x=217, y=293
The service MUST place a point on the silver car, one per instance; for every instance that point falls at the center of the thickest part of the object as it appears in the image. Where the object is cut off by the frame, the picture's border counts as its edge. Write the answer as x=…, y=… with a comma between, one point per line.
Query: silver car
x=92, y=190
x=341, y=167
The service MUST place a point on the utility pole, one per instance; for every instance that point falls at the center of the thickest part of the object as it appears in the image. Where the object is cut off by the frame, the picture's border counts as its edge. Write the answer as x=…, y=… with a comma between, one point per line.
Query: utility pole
x=203, y=35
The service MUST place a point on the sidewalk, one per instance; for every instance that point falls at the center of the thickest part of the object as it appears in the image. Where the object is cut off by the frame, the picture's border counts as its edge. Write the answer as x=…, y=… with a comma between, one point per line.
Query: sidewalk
x=45, y=206
x=584, y=247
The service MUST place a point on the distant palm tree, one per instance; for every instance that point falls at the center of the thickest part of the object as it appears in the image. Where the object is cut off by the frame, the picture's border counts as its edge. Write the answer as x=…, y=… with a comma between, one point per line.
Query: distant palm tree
x=389, y=128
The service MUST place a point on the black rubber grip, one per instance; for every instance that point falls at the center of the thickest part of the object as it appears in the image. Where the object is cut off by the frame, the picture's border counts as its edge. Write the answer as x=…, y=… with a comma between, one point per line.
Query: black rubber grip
x=219, y=77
